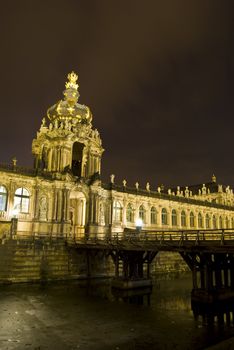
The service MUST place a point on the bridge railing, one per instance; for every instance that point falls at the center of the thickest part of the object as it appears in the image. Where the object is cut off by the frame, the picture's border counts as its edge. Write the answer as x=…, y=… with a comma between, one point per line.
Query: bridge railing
x=159, y=237
x=193, y=236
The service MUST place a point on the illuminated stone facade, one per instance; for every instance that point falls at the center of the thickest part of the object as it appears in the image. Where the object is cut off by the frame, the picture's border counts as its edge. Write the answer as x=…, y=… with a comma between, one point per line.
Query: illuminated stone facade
x=64, y=194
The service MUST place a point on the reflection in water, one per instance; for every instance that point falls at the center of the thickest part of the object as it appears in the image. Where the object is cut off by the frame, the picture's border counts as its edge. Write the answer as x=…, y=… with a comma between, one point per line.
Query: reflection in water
x=138, y=296
x=90, y=315
x=219, y=314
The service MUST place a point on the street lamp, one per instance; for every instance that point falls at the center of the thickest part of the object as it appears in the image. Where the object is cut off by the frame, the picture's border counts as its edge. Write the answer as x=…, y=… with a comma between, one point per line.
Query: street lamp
x=139, y=224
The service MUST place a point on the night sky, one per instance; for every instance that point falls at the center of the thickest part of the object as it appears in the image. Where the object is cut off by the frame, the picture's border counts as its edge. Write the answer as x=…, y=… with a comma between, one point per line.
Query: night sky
x=157, y=75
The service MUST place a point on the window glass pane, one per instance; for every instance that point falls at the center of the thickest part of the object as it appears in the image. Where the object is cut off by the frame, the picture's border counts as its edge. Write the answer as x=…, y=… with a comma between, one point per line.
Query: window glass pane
x=129, y=213
x=199, y=220
x=25, y=192
x=117, y=211
x=164, y=216
x=174, y=218
x=191, y=219
x=17, y=202
x=153, y=216
x=21, y=200
x=3, y=189
x=183, y=219
x=24, y=205
x=3, y=199
x=142, y=213
x=19, y=191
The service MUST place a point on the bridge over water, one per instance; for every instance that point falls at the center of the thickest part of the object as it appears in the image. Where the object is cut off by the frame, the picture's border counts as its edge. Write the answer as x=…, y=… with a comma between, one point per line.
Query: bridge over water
x=208, y=253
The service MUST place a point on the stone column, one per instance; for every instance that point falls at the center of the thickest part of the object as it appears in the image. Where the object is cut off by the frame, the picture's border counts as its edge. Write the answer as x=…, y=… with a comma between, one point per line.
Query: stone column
x=55, y=205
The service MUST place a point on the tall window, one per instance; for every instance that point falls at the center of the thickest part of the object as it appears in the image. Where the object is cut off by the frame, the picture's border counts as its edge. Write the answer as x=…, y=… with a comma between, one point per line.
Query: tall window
x=173, y=217
x=207, y=221
x=214, y=222
x=192, y=220
x=117, y=211
x=183, y=218
x=129, y=213
x=142, y=213
x=21, y=200
x=200, y=224
x=227, y=222
x=3, y=198
x=164, y=216
x=220, y=222
x=153, y=216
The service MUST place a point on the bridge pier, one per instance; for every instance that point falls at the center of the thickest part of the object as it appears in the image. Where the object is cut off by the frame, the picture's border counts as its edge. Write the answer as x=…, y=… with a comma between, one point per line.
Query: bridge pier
x=213, y=276
x=132, y=268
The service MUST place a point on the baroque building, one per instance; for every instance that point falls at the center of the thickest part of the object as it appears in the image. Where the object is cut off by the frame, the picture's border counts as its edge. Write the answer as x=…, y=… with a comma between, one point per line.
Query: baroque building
x=63, y=194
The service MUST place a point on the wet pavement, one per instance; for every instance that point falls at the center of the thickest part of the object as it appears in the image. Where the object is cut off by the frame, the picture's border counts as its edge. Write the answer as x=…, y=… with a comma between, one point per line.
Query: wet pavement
x=86, y=315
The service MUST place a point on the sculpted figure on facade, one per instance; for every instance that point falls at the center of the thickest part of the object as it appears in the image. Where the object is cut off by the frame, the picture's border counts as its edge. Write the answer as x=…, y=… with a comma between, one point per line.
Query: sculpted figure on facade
x=43, y=206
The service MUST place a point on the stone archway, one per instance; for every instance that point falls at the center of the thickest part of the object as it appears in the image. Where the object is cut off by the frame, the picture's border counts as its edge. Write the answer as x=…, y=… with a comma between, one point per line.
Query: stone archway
x=77, y=214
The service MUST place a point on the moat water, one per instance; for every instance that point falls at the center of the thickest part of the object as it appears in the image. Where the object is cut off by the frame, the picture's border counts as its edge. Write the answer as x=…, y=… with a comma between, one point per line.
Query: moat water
x=89, y=316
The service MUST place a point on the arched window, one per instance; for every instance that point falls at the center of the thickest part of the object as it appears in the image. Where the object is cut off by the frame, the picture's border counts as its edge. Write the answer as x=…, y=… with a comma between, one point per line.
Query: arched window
x=142, y=213
x=3, y=198
x=21, y=200
x=117, y=211
x=220, y=222
x=183, y=218
x=130, y=213
x=173, y=217
x=200, y=223
x=164, y=216
x=77, y=156
x=192, y=220
x=207, y=221
x=214, y=222
x=153, y=216
x=227, y=222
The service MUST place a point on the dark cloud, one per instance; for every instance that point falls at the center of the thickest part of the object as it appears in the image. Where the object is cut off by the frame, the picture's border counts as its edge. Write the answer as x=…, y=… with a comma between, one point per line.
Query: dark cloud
x=158, y=76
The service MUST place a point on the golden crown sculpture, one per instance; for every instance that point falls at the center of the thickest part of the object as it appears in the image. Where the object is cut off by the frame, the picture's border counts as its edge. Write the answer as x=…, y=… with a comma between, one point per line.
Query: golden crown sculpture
x=71, y=83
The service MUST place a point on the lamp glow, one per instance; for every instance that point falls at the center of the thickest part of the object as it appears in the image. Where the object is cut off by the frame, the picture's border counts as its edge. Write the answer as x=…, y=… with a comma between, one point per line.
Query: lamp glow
x=139, y=223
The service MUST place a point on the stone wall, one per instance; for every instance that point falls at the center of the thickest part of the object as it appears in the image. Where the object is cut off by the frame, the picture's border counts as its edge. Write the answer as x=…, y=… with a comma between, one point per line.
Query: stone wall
x=25, y=260
x=41, y=260
x=168, y=262
x=5, y=228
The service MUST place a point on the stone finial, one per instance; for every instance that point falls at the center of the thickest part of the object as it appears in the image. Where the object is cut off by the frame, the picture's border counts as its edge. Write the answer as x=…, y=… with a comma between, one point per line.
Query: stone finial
x=191, y=193
x=186, y=192
x=169, y=191
x=137, y=185
x=199, y=192
x=14, y=161
x=43, y=123
x=159, y=189
x=112, y=178
x=203, y=189
x=124, y=183
x=213, y=179
x=178, y=191
x=147, y=186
